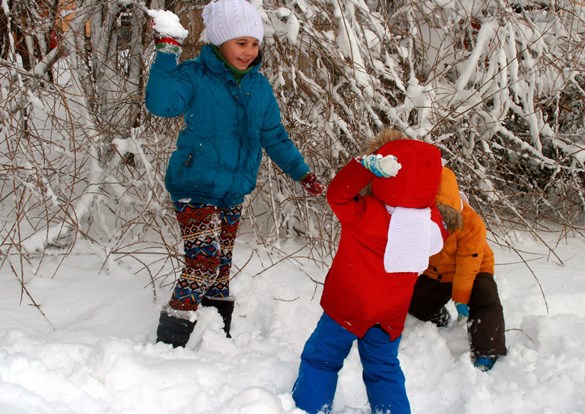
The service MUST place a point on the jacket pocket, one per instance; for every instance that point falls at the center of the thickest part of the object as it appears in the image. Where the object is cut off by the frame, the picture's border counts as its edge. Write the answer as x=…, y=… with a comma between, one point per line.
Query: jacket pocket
x=186, y=174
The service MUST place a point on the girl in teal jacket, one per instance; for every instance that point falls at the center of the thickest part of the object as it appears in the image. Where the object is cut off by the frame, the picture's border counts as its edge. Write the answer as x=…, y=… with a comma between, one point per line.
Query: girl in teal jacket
x=230, y=114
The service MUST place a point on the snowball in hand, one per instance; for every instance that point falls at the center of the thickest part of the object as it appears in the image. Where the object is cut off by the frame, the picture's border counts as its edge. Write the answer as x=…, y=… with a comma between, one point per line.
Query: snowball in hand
x=167, y=23
x=389, y=165
x=384, y=167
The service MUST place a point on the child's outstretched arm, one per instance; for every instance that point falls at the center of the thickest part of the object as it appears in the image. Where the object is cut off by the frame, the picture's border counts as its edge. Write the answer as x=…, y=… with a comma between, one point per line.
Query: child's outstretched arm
x=469, y=256
x=167, y=92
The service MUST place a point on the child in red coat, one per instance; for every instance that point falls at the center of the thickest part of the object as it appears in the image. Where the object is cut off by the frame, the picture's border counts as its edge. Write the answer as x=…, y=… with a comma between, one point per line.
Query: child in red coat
x=386, y=240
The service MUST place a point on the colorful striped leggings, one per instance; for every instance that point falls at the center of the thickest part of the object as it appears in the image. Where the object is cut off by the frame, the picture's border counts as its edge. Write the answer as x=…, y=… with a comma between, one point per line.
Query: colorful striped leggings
x=208, y=234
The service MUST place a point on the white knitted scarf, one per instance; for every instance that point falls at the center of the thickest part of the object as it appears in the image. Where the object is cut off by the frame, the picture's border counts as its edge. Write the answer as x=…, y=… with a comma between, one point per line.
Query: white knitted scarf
x=412, y=238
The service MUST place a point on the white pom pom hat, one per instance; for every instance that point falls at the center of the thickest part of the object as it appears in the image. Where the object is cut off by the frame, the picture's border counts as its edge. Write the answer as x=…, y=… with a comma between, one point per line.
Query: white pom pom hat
x=229, y=19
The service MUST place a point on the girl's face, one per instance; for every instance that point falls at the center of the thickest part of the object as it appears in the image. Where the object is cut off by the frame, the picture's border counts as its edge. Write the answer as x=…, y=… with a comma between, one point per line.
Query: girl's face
x=241, y=51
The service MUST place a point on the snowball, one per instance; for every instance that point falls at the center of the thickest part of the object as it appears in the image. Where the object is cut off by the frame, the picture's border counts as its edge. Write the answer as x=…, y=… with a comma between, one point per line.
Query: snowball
x=167, y=23
x=390, y=165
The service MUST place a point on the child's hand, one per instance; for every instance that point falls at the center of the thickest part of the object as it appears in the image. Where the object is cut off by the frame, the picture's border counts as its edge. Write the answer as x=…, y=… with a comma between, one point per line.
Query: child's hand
x=463, y=311
x=380, y=166
x=313, y=184
x=166, y=26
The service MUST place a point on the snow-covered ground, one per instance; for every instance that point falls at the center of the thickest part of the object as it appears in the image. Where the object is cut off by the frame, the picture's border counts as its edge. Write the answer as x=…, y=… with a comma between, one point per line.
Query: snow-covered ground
x=94, y=350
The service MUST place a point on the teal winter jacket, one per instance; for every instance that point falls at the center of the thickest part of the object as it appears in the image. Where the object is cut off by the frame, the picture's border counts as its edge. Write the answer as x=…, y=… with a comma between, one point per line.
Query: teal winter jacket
x=226, y=126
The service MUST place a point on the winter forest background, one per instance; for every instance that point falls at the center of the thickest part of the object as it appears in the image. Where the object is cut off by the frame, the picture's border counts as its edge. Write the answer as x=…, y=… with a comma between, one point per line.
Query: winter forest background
x=497, y=85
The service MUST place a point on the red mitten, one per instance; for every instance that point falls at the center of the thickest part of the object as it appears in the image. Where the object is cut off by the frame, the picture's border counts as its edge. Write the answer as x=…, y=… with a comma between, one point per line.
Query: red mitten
x=313, y=184
x=166, y=27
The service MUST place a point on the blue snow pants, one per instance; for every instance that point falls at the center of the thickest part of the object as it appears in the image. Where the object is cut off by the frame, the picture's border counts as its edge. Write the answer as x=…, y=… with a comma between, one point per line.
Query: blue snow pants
x=323, y=357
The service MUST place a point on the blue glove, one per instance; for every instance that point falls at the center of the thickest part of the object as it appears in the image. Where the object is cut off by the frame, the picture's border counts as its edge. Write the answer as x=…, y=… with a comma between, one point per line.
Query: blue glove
x=380, y=166
x=463, y=311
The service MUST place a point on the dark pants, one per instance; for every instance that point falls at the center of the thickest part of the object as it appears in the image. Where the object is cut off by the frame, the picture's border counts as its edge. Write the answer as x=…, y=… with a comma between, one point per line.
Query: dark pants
x=486, y=317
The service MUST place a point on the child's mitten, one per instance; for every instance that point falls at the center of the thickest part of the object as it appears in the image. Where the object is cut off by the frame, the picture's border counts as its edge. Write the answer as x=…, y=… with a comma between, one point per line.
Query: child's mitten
x=312, y=184
x=167, y=28
x=463, y=311
x=381, y=166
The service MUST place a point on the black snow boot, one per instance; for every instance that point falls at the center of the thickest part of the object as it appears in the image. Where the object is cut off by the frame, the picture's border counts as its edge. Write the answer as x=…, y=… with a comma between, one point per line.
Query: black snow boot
x=173, y=330
x=225, y=307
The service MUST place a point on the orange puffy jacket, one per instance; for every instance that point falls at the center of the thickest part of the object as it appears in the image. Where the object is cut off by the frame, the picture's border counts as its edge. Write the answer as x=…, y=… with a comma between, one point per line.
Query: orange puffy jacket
x=465, y=254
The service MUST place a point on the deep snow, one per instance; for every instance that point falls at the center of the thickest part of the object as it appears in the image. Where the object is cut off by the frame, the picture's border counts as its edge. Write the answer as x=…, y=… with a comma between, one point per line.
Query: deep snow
x=95, y=352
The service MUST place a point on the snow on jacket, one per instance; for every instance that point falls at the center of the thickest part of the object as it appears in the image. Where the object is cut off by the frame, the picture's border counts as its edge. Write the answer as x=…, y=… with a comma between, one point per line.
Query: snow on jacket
x=226, y=125
x=358, y=292
x=465, y=254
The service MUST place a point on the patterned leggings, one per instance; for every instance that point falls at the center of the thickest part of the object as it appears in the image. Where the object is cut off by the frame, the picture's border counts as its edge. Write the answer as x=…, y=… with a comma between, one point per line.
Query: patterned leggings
x=208, y=234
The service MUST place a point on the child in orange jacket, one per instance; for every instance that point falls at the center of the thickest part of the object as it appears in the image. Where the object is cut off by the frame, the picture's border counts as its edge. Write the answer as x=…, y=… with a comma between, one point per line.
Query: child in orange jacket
x=464, y=272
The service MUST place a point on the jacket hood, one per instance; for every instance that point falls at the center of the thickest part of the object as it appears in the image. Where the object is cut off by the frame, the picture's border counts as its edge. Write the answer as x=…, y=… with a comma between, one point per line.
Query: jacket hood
x=449, y=200
x=449, y=190
x=417, y=182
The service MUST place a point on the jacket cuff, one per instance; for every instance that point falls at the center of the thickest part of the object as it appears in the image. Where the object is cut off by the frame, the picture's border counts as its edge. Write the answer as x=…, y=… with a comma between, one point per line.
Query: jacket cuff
x=299, y=172
x=168, y=47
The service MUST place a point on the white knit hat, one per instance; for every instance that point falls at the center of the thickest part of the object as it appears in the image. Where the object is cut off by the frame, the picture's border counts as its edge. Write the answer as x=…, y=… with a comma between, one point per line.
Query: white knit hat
x=229, y=19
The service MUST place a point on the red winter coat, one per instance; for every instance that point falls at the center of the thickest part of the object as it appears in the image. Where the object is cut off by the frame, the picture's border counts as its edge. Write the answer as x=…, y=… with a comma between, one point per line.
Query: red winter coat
x=358, y=292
